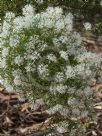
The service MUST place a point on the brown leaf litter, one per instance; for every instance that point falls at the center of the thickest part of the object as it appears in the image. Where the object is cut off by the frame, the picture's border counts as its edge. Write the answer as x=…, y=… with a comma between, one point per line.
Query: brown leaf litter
x=96, y=128
x=18, y=119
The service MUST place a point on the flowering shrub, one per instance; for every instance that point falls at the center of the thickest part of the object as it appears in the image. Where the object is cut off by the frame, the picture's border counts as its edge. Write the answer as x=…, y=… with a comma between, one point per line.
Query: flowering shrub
x=42, y=56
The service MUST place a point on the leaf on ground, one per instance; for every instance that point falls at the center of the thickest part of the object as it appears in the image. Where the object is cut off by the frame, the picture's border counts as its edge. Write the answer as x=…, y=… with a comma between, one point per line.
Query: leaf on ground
x=8, y=121
x=98, y=107
x=94, y=133
x=36, y=127
x=4, y=97
x=25, y=106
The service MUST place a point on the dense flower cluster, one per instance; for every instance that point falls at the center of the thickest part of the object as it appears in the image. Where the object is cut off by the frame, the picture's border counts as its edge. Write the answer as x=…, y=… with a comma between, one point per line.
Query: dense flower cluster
x=41, y=55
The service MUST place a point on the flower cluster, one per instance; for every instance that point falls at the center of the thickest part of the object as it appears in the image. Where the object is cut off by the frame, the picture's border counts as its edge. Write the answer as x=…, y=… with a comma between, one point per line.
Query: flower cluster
x=43, y=57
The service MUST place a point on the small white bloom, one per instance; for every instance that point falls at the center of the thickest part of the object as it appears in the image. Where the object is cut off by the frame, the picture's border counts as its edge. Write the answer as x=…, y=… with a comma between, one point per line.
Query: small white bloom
x=68, y=22
x=62, y=127
x=59, y=25
x=76, y=112
x=56, y=42
x=64, y=55
x=87, y=91
x=28, y=10
x=84, y=114
x=55, y=109
x=64, y=112
x=87, y=26
x=18, y=60
x=52, y=57
x=14, y=40
x=43, y=70
x=58, y=88
x=40, y=101
x=16, y=72
x=33, y=56
x=17, y=80
x=9, y=88
x=78, y=39
x=3, y=63
x=37, y=104
x=5, y=52
x=73, y=102
x=54, y=11
x=59, y=77
x=19, y=24
x=63, y=39
x=5, y=29
x=69, y=72
x=80, y=69
x=9, y=16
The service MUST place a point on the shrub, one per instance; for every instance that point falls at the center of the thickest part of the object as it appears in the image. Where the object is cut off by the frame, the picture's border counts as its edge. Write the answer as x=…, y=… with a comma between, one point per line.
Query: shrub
x=43, y=57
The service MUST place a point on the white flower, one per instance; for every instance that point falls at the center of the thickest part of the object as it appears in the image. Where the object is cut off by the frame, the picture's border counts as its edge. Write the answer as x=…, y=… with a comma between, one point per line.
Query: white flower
x=59, y=77
x=43, y=70
x=9, y=88
x=33, y=56
x=62, y=127
x=80, y=69
x=17, y=80
x=87, y=91
x=56, y=42
x=5, y=29
x=9, y=16
x=64, y=55
x=58, y=88
x=64, y=112
x=28, y=10
x=68, y=22
x=55, y=109
x=86, y=56
x=54, y=11
x=84, y=114
x=69, y=72
x=19, y=24
x=5, y=52
x=87, y=26
x=59, y=25
x=16, y=73
x=78, y=39
x=72, y=102
x=14, y=40
x=18, y=60
x=37, y=104
x=39, y=101
x=30, y=67
x=76, y=112
x=3, y=63
x=63, y=39
x=52, y=57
